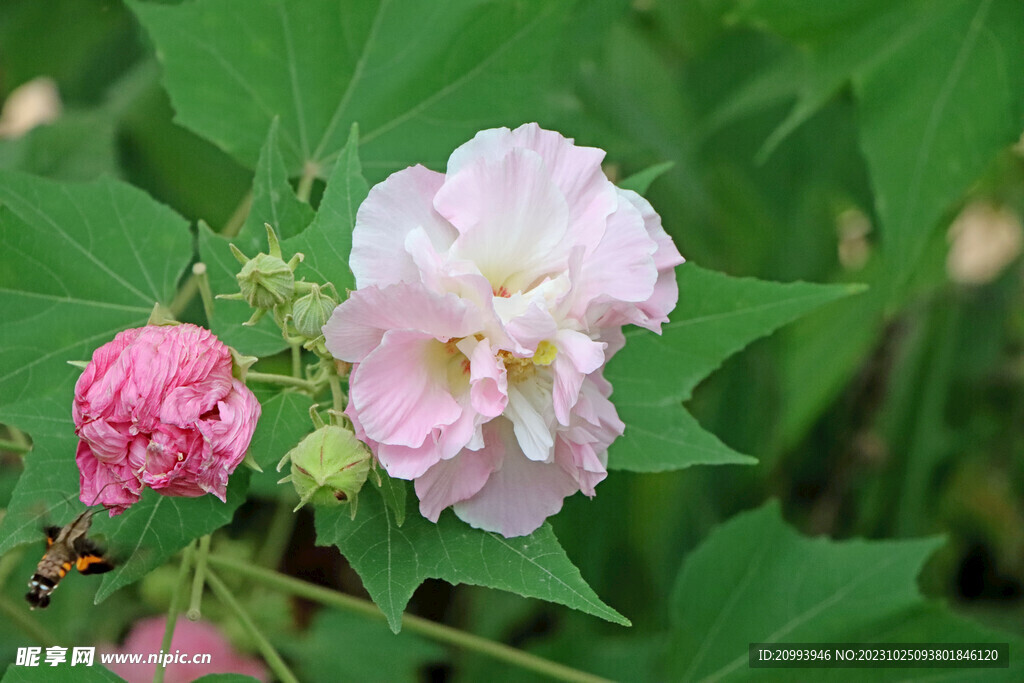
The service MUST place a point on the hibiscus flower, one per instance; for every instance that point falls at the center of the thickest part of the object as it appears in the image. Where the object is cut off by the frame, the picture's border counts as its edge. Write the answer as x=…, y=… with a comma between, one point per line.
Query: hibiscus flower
x=489, y=299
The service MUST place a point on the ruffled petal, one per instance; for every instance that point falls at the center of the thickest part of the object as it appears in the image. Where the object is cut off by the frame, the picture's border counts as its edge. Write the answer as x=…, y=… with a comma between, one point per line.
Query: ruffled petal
x=511, y=217
x=518, y=497
x=443, y=443
x=575, y=171
x=451, y=481
x=401, y=391
x=530, y=410
x=358, y=324
x=621, y=267
x=390, y=211
x=488, y=380
x=578, y=356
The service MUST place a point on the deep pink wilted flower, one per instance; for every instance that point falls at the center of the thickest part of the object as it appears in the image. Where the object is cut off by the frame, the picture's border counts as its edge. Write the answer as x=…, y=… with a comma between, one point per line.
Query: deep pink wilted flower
x=158, y=407
x=490, y=299
x=190, y=638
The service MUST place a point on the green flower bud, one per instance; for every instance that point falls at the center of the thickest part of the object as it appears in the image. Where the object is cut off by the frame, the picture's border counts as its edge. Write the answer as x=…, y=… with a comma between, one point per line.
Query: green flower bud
x=329, y=467
x=266, y=280
x=310, y=312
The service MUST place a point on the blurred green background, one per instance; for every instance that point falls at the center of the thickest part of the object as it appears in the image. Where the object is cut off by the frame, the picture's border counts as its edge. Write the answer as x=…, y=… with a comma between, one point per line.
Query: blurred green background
x=895, y=414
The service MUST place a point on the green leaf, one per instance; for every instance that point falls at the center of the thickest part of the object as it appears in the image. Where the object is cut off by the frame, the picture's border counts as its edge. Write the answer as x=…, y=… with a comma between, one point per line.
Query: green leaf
x=59, y=674
x=283, y=423
x=328, y=241
x=393, y=561
x=393, y=492
x=639, y=182
x=840, y=39
x=231, y=66
x=152, y=530
x=273, y=199
x=47, y=490
x=226, y=678
x=322, y=659
x=653, y=375
x=755, y=580
x=80, y=263
x=925, y=139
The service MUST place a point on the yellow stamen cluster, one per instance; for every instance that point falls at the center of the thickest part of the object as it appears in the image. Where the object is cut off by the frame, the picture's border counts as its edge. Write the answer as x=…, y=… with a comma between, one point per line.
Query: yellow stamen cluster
x=517, y=369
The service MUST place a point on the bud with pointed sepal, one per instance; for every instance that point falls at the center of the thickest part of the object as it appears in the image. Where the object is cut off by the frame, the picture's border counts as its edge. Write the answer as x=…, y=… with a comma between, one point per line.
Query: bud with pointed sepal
x=328, y=467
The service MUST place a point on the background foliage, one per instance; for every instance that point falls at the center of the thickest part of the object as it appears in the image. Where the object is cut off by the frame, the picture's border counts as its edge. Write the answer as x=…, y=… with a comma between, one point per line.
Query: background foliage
x=858, y=146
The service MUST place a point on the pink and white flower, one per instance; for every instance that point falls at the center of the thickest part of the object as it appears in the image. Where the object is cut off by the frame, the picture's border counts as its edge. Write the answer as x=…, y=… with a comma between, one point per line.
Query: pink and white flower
x=158, y=407
x=490, y=298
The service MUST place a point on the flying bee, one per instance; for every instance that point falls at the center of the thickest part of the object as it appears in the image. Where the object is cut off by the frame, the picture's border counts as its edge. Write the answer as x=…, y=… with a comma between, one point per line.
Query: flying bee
x=66, y=547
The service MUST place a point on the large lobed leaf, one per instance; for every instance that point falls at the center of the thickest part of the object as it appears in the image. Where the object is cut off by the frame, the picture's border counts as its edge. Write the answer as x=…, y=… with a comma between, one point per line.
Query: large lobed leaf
x=419, y=77
x=716, y=316
x=393, y=560
x=80, y=263
x=920, y=71
x=755, y=580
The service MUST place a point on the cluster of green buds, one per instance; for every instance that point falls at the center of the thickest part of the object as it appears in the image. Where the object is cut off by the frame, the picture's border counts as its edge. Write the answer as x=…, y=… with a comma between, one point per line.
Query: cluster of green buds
x=267, y=283
x=329, y=466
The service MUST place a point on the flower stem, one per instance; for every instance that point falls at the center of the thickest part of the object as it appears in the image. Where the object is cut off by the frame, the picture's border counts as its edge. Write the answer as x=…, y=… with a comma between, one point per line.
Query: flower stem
x=174, y=608
x=305, y=187
x=296, y=360
x=198, y=580
x=283, y=380
x=238, y=216
x=203, y=282
x=424, y=627
x=281, y=526
x=338, y=398
x=270, y=655
x=184, y=296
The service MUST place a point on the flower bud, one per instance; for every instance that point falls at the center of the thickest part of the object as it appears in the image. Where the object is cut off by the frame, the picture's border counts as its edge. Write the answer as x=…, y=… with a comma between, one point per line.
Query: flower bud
x=329, y=467
x=311, y=312
x=266, y=281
